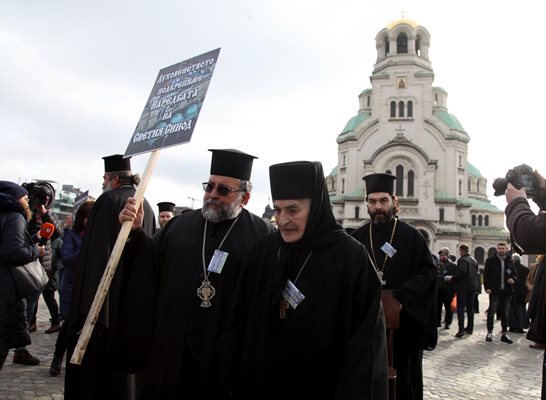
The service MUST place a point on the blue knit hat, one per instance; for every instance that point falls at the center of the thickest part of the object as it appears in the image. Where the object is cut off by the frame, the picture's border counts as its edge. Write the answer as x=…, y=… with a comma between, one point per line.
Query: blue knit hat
x=13, y=189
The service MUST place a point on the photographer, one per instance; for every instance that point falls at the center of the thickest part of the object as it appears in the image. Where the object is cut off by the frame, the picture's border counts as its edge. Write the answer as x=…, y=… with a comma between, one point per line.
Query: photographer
x=528, y=233
x=41, y=196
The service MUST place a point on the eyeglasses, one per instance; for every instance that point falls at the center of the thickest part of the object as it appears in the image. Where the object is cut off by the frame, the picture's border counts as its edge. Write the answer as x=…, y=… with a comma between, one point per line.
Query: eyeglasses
x=220, y=189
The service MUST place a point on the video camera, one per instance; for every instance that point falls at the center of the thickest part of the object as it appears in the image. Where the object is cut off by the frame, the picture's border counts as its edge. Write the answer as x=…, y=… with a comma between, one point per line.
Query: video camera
x=40, y=193
x=520, y=177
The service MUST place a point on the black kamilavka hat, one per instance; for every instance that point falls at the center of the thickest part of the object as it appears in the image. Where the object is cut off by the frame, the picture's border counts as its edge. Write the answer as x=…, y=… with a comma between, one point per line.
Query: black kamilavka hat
x=292, y=180
x=166, y=206
x=116, y=162
x=232, y=163
x=380, y=182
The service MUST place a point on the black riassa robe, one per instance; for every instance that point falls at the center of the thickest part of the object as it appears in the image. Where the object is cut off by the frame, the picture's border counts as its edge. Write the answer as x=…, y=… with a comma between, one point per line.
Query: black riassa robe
x=185, y=345
x=101, y=369
x=332, y=345
x=411, y=275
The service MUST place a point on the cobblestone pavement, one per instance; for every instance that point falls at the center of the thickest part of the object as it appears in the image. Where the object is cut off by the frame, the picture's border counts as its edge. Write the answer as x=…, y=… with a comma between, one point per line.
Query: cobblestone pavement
x=467, y=368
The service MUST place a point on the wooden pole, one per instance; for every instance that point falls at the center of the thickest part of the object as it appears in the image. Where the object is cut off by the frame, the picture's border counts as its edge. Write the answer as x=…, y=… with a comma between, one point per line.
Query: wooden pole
x=108, y=274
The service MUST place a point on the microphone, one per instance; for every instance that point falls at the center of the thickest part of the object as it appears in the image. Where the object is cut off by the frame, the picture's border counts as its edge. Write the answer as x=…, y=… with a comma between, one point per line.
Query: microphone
x=46, y=231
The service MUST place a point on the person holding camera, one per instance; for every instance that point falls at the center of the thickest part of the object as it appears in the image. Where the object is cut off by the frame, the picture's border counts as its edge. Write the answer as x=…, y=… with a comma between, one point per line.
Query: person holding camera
x=41, y=197
x=528, y=232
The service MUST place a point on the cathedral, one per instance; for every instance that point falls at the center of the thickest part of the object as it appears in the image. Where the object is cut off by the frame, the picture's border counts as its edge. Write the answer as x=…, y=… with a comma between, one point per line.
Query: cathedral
x=403, y=127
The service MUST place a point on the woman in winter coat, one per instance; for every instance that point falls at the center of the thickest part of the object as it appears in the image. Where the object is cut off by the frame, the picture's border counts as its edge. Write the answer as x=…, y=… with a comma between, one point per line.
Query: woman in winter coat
x=16, y=248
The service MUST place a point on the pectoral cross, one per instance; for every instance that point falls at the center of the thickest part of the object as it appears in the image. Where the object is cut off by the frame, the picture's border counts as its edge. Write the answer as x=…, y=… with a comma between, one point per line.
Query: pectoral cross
x=206, y=292
x=284, y=306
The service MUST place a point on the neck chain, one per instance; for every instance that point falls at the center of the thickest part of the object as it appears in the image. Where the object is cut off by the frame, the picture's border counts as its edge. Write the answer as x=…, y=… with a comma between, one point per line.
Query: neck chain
x=380, y=271
x=284, y=305
x=206, y=291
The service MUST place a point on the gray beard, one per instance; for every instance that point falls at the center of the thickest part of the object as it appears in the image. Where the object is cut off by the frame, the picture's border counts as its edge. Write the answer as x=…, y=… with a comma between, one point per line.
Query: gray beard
x=224, y=213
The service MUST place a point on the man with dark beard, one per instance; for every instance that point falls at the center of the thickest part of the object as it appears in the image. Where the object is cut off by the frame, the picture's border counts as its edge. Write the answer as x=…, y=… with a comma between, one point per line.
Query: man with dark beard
x=194, y=263
x=403, y=260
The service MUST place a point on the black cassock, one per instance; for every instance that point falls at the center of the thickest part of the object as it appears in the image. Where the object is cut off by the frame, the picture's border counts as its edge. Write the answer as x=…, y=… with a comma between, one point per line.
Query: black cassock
x=332, y=345
x=101, y=373
x=184, y=349
x=411, y=275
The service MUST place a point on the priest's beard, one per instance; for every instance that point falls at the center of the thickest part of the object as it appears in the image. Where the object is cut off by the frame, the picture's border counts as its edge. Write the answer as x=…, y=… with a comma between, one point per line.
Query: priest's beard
x=222, y=212
x=379, y=217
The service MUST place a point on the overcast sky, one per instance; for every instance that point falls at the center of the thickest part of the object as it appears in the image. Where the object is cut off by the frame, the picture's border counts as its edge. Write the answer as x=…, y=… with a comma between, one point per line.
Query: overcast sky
x=75, y=76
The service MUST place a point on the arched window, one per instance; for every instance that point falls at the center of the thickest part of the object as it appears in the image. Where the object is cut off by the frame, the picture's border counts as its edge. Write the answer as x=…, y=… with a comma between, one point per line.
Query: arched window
x=393, y=109
x=399, y=180
x=418, y=45
x=357, y=212
x=387, y=47
x=436, y=99
x=368, y=101
x=342, y=185
x=441, y=216
x=480, y=220
x=460, y=187
x=491, y=252
x=486, y=220
x=402, y=44
x=469, y=185
x=479, y=255
x=478, y=186
x=401, y=109
x=411, y=183
x=473, y=220
x=410, y=109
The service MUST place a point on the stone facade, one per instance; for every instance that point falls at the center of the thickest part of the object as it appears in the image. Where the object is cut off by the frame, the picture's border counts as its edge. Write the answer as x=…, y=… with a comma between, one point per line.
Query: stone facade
x=403, y=127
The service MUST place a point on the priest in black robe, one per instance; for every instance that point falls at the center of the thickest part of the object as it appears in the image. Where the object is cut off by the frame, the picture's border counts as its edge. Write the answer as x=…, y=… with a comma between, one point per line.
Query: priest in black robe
x=194, y=262
x=403, y=260
x=102, y=374
x=309, y=302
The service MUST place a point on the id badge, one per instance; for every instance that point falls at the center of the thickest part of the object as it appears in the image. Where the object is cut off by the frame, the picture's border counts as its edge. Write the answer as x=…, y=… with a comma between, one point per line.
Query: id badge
x=388, y=250
x=292, y=295
x=217, y=262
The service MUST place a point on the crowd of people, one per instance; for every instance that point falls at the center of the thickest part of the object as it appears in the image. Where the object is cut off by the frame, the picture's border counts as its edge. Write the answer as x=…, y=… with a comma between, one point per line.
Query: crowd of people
x=220, y=303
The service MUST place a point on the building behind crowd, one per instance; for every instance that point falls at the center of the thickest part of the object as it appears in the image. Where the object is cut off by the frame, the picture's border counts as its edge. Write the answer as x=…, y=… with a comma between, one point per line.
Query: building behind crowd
x=403, y=126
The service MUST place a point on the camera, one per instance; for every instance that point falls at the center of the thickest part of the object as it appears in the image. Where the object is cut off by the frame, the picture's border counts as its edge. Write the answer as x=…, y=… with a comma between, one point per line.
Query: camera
x=40, y=193
x=520, y=177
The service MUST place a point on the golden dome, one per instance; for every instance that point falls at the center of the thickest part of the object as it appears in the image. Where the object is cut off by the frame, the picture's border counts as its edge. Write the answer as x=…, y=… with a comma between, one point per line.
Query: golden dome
x=401, y=21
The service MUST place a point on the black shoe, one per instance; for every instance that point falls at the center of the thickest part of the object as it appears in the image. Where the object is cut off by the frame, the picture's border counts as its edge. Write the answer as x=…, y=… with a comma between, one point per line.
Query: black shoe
x=25, y=358
x=459, y=334
x=468, y=331
x=3, y=359
x=55, y=327
x=447, y=326
x=489, y=337
x=506, y=339
x=56, y=365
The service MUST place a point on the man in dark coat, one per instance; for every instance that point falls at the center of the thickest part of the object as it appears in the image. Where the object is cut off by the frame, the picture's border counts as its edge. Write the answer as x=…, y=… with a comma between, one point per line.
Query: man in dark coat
x=465, y=281
x=529, y=232
x=446, y=292
x=517, y=316
x=403, y=260
x=194, y=263
x=499, y=277
x=314, y=327
x=100, y=374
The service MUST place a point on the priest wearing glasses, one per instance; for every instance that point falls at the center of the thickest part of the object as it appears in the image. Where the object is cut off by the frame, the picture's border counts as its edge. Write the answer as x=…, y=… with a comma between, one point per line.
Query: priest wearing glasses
x=403, y=262
x=194, y=263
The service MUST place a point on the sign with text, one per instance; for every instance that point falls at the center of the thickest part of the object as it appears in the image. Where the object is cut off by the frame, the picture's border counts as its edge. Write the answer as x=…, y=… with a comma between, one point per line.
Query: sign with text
x=79, y=200
x=171, y=111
